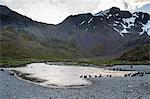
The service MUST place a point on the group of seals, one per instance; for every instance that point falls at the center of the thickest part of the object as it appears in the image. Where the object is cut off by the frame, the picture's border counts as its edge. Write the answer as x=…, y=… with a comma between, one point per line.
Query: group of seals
x=95, y=76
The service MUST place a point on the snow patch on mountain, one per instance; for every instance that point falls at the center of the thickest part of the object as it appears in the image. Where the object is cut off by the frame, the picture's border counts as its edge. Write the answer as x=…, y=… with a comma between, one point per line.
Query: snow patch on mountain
x=98, y=14
x=86, y=29
x=75, y=25
x=102, y=13
x=90, y=20
x=128, y=23
x=118, y=32
x=129, y=20
x=124, y=31
x=121, y=21
x=146, y=28
x=82, y=22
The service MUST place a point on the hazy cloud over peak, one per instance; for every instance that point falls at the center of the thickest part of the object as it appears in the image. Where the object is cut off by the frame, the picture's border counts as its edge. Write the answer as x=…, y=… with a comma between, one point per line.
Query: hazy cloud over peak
x=55, y=11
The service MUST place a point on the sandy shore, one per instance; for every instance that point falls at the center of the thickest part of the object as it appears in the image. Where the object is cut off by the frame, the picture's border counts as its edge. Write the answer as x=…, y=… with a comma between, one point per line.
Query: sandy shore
x=101, y=88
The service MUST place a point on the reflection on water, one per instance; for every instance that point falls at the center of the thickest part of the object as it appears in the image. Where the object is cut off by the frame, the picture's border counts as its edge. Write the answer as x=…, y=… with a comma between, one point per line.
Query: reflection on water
x=61, y=76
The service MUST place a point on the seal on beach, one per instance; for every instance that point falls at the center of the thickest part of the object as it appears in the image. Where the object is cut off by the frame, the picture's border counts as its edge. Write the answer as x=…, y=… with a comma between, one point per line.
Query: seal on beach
x=11, y=73
x=2, y=69
x=147, y=72
x=142, y=74
x=131, y=66
x=85, y=76
x=100, y=75
x=125, y=75
x=81, y=76
x=90, y=76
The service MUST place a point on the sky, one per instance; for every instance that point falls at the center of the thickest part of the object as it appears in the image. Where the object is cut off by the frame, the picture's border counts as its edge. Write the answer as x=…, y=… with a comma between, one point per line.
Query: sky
x=55, y=11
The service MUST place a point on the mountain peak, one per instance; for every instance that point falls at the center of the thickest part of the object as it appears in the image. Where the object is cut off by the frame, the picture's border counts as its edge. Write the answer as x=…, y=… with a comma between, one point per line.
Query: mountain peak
x=125, y=22
x=4, y=9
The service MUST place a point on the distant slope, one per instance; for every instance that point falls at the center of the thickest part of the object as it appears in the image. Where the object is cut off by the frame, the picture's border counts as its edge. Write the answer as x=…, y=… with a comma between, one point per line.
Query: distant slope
x=139, y=49
x=23, y=45
x=138, y=53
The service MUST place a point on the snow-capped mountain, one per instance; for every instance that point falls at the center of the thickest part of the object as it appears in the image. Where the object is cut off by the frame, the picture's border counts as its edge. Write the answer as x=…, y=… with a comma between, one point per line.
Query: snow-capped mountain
x=123, y=22
x=106, y=34
x=126, y=22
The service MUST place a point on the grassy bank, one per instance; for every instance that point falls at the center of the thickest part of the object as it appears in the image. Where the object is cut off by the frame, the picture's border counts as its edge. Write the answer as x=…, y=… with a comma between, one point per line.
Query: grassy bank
x=86, y=62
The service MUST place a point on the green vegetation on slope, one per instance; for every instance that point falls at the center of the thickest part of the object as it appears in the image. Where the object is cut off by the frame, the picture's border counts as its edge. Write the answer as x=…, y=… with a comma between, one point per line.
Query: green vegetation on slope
x=97, y=50
x=20, y=48
x=20, y=45
x=17, y=48
x=139, y=53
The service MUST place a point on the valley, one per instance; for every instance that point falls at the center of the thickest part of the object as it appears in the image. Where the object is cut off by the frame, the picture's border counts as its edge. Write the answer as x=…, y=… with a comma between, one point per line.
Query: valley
x=100, y=36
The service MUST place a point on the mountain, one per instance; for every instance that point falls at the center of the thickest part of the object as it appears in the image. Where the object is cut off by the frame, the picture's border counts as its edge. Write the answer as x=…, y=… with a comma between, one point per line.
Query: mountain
x=111, y=33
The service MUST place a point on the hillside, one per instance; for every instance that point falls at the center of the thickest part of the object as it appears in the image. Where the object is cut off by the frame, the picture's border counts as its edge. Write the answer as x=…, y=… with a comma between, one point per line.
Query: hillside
x=109, y=34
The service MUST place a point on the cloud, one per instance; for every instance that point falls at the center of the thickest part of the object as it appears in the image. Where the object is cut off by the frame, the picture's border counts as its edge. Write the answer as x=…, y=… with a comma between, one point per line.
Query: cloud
x=55, y=11
x=130, y=5
x=144, y=8
x=50, y=11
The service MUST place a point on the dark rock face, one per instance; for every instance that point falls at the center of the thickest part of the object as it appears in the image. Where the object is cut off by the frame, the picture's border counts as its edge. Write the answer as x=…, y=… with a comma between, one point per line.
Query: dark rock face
x=103, y=35
x=142, y=17
x=114, y=10
x=125, y=14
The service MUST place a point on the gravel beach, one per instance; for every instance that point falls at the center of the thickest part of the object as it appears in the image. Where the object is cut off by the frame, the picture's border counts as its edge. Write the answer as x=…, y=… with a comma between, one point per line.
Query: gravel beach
x=102, y=88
